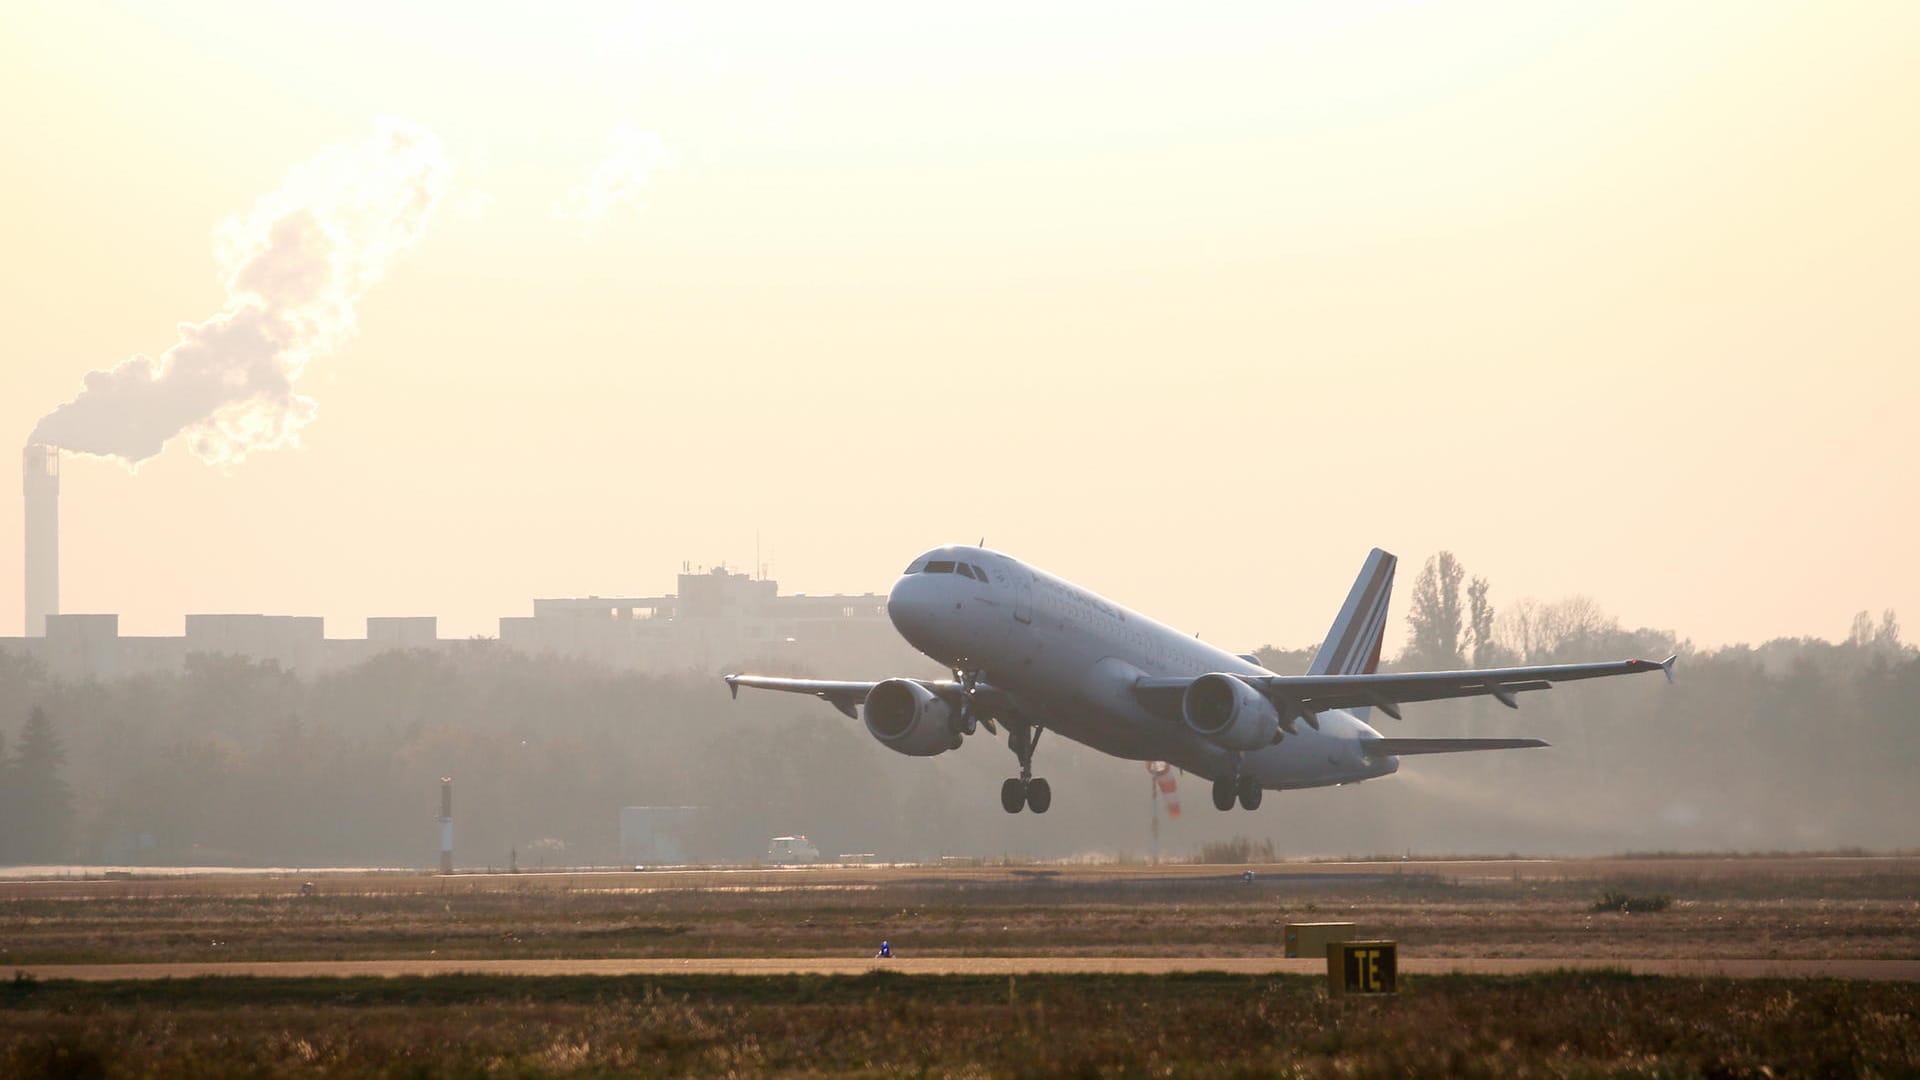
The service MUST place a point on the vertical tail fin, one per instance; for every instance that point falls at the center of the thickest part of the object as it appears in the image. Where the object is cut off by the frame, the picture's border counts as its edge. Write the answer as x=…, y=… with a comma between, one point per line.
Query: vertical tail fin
x=1353, y=644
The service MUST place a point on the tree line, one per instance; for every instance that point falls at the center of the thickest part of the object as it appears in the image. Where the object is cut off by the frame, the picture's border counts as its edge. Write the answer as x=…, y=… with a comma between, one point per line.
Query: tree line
x=1798, y=743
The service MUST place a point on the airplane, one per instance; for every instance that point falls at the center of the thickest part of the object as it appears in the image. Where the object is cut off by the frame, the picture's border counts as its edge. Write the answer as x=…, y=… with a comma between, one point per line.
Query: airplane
x=1035, y=653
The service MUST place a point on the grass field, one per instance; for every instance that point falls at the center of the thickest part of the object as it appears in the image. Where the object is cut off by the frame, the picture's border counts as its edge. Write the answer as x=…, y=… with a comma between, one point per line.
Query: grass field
x=1197, y=1025
x=1720, y=914
x=1560, y=1024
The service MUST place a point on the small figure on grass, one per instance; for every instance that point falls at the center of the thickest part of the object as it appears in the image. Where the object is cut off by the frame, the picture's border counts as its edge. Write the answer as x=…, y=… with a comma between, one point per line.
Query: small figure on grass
x=885, y=953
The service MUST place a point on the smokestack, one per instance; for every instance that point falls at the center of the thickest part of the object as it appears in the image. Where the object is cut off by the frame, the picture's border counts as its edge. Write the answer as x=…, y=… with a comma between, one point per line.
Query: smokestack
x=40, y=482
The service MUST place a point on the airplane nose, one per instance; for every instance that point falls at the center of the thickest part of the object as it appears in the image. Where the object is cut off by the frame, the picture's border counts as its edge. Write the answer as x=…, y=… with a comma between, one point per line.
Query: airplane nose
x=899, y=598
x=908, y=605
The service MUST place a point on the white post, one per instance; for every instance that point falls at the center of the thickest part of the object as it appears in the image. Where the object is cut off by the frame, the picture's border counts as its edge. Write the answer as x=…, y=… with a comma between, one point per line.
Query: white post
x=446, y=824
x=1154, y=782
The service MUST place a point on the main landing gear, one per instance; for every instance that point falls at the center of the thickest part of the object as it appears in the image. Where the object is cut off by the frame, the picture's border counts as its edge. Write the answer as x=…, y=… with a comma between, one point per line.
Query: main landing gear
x=1024, y=790
x=1245, y=789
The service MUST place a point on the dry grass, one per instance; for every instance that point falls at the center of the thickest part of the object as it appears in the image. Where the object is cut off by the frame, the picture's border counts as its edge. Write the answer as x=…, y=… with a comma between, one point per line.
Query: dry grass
x=1201, y=1026
x=1714, y=916
x=1187, y=1025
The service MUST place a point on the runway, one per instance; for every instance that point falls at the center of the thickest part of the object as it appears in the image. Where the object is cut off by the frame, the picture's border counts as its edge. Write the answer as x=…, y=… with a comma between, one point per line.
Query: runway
x=1794, y=916
x=152, y=883
x=1868, y=969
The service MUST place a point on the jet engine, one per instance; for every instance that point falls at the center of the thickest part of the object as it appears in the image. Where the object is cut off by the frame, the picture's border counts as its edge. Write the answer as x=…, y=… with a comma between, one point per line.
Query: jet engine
x=910, y=719
x=1230, y=712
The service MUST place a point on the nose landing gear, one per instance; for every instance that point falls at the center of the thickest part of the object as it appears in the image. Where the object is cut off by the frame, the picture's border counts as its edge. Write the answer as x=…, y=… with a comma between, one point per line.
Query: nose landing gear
x=1025, y=791
x=969, y=685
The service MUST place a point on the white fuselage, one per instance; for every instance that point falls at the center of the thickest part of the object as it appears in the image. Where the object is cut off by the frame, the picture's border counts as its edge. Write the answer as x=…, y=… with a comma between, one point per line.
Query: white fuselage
x=1070, y=658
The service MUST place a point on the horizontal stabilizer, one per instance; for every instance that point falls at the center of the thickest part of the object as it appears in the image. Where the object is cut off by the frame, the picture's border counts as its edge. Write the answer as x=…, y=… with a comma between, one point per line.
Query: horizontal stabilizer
x=1400, y=747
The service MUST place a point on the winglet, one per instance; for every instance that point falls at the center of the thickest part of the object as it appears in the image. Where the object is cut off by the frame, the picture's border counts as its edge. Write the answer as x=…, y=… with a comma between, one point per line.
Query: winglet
x=1667, y=666
x=733, y=687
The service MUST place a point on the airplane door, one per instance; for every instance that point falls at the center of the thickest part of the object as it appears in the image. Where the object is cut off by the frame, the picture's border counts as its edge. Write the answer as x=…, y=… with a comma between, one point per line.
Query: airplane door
x=1023, y=601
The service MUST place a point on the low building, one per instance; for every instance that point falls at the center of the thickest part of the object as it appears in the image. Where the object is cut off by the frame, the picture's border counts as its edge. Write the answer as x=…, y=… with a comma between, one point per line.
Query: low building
x=717, y=619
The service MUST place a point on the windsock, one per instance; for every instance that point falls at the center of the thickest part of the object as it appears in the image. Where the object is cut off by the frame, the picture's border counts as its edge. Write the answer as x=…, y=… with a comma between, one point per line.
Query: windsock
x=1163, y=778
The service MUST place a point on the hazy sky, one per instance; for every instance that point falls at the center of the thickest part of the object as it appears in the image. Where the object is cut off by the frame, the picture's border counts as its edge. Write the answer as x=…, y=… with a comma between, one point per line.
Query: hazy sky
x=1192, y=307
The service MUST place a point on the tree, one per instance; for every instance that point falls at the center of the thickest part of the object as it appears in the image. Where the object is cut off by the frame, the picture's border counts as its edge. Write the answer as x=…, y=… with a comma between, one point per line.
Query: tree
x=1570, y=628
x=1286, y=661
x=1480, y=623
x=1435, y=619
x=41, y=797
x=1884, y=637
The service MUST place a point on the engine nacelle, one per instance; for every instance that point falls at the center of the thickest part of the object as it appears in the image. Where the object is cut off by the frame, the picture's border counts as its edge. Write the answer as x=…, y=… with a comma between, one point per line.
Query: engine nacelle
x=910, y=719
x=1230, y=712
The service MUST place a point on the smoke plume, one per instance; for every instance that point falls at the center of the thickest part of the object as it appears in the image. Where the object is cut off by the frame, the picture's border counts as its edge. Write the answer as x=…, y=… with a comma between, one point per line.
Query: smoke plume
x=294, y=267
x=617, y=179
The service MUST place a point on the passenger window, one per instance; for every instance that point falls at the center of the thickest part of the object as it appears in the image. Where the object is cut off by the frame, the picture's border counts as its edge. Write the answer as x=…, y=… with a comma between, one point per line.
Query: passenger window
x=964, y=569
x=940, y=566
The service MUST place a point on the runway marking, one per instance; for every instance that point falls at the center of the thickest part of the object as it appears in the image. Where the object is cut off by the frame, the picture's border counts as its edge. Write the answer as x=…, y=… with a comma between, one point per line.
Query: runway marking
x=1872, y=969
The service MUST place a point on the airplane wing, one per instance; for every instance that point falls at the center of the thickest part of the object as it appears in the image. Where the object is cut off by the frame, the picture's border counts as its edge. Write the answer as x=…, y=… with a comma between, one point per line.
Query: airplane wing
x=1404, y=747
x=989, y=702
x=1303, y=696
x=845, y=696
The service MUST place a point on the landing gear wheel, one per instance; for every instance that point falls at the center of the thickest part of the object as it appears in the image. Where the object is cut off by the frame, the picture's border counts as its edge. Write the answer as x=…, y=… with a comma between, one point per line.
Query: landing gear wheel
x=1024, y=790
x=1250, y=793
x=1223, y=793
x=1039, y=795
x=1013, y=795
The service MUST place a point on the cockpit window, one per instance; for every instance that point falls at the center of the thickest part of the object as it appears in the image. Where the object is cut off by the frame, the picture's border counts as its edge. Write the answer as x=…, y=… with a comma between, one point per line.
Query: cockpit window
x=939, y=566
x=963, y=569
x=980, y=572
x=913, y=567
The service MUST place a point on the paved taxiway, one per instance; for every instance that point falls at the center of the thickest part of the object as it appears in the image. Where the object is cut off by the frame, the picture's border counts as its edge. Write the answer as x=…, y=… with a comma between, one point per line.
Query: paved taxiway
x=757, y=879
